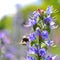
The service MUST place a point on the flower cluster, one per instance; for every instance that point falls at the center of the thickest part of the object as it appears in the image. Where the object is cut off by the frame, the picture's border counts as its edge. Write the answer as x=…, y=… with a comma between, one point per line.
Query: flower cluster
x=5, y=49
x=42, y=23
x=4, y=39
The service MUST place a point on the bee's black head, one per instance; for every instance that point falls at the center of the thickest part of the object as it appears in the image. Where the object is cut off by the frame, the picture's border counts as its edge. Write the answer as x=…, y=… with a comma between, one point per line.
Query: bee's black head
x=25, y=39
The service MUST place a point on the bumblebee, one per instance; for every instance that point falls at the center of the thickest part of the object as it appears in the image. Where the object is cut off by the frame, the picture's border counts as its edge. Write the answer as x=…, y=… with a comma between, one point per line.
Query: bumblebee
x=24, y=40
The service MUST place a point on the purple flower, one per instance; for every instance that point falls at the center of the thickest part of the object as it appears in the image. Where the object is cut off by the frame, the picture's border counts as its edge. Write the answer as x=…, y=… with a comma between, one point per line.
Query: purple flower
x=52, y=25
x=49, y=58
x=29, y=58
x=31, y=37
x=35, y=14
x=42, y=52
x=32, y=22
x=44, y=34
x=49, y=10
x=47, y=20
x=33, y=50
x=38, y=31
x=49, y=42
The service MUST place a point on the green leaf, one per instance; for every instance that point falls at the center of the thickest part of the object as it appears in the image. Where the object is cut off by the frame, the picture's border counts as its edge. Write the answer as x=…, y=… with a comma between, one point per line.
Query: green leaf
x=34, y=27
x=47, y=27
x=34, y=56
x=38, y=19
x=43, y=45
x=33, y=42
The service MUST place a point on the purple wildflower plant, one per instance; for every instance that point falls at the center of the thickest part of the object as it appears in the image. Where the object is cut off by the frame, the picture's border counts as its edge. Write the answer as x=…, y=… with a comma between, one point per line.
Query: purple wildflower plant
x=38, y=40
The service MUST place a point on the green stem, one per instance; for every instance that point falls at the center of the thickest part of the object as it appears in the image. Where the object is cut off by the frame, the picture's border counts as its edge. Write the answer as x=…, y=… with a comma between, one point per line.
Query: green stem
x=34, y=27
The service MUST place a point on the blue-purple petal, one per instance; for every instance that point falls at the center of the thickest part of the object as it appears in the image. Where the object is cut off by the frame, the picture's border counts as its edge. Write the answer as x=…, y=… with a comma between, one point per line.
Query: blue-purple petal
x=49, y=10
x=42, y=52
x=30, y=58
x=44, y=34
x=33, y=50
x=31, y=37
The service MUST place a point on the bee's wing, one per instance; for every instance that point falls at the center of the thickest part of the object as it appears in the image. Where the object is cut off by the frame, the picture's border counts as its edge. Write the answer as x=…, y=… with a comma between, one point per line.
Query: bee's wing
x=22, y=43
